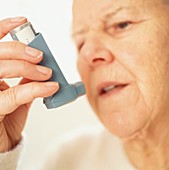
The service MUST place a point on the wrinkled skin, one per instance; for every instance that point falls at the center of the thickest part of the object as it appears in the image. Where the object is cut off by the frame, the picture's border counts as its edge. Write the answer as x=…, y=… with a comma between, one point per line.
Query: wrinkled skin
x=126, y=43
x=130, y=48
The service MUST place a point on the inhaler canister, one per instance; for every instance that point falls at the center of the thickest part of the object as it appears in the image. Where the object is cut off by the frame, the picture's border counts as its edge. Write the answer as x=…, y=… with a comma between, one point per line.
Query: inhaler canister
x=67, y=92
x=25, y=33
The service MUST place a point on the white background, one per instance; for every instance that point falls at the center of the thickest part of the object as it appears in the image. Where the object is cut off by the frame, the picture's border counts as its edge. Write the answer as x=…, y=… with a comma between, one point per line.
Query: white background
x=53, y=19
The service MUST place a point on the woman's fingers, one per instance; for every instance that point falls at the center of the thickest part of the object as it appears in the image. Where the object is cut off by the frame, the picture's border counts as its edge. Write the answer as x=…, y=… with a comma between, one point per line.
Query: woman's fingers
x=19, y=60
x=18, y=51
x=20, y=68
x=22, y=94
x=15, y=49
x=8, y=24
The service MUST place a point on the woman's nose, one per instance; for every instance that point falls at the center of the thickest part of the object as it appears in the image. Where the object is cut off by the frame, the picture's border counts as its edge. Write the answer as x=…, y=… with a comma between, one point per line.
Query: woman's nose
x=95, y=54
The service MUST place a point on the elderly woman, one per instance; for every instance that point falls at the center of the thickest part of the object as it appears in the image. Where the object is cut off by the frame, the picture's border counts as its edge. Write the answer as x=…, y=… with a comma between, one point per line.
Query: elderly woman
x=123, y=59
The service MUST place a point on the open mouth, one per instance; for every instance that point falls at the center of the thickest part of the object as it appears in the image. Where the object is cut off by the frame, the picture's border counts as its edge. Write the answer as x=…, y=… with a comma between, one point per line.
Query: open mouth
x=106, y=89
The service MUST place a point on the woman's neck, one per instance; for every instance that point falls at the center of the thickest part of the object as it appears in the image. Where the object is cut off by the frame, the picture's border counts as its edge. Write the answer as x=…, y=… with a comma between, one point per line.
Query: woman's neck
x=150, y=149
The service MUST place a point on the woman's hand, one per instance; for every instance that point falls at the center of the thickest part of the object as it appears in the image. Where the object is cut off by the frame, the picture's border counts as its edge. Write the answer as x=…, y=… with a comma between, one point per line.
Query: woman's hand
x=19, y=60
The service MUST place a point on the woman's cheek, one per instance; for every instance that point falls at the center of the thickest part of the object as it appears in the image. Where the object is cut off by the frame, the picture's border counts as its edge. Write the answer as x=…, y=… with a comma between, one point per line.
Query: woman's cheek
x=85, y=77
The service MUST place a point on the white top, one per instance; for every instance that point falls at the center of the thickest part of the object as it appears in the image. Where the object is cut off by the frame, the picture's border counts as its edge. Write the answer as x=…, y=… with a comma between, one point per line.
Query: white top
x=85, y=149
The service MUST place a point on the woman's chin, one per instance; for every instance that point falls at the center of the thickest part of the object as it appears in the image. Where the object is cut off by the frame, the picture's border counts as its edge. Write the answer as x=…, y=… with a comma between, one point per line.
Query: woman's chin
x=124, y=134
x=125, y=125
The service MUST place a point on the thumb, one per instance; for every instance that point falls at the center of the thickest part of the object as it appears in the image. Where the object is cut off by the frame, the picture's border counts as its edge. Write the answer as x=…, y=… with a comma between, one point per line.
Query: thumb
x=13, y=97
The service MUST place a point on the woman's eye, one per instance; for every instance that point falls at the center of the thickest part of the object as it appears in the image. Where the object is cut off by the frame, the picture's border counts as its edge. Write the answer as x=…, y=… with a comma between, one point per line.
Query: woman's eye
x=119, y=28
x=122, y=25
x=80, y=45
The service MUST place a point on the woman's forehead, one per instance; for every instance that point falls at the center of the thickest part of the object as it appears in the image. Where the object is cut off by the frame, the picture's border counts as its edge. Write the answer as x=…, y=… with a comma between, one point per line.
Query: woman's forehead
x=101, y=8
x=102, y=4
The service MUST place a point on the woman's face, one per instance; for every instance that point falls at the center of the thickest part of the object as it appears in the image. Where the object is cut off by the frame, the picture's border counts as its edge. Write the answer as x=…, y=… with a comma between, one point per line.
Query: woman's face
x=123, y=60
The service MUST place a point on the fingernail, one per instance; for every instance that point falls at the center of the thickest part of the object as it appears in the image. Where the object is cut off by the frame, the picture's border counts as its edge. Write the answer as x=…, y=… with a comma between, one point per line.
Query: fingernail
x=33, y=52
x=44, y=70
x=51, y=84
x=17, y=19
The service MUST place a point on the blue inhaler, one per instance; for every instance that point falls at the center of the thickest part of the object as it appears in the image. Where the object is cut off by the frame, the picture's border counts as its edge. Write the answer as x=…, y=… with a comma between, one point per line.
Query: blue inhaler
x=67, y=92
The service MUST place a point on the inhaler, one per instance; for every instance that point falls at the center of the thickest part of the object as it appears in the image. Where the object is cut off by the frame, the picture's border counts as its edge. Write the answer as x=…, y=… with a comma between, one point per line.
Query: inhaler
x=67, y=92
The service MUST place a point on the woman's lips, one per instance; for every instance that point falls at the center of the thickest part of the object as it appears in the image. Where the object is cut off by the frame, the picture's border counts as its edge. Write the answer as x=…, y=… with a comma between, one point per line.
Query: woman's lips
x=110, y=88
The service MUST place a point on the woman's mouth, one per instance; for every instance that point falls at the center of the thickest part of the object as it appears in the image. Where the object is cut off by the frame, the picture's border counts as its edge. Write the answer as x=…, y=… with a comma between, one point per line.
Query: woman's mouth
x=108, y=88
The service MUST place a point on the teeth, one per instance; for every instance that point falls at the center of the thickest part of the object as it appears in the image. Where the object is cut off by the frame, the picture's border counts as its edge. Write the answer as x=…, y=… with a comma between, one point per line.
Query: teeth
x=109, y=88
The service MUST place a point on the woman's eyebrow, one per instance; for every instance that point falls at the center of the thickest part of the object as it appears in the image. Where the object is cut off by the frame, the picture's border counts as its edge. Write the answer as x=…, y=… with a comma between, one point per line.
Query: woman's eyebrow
x=78, y=31
x=113, y=12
